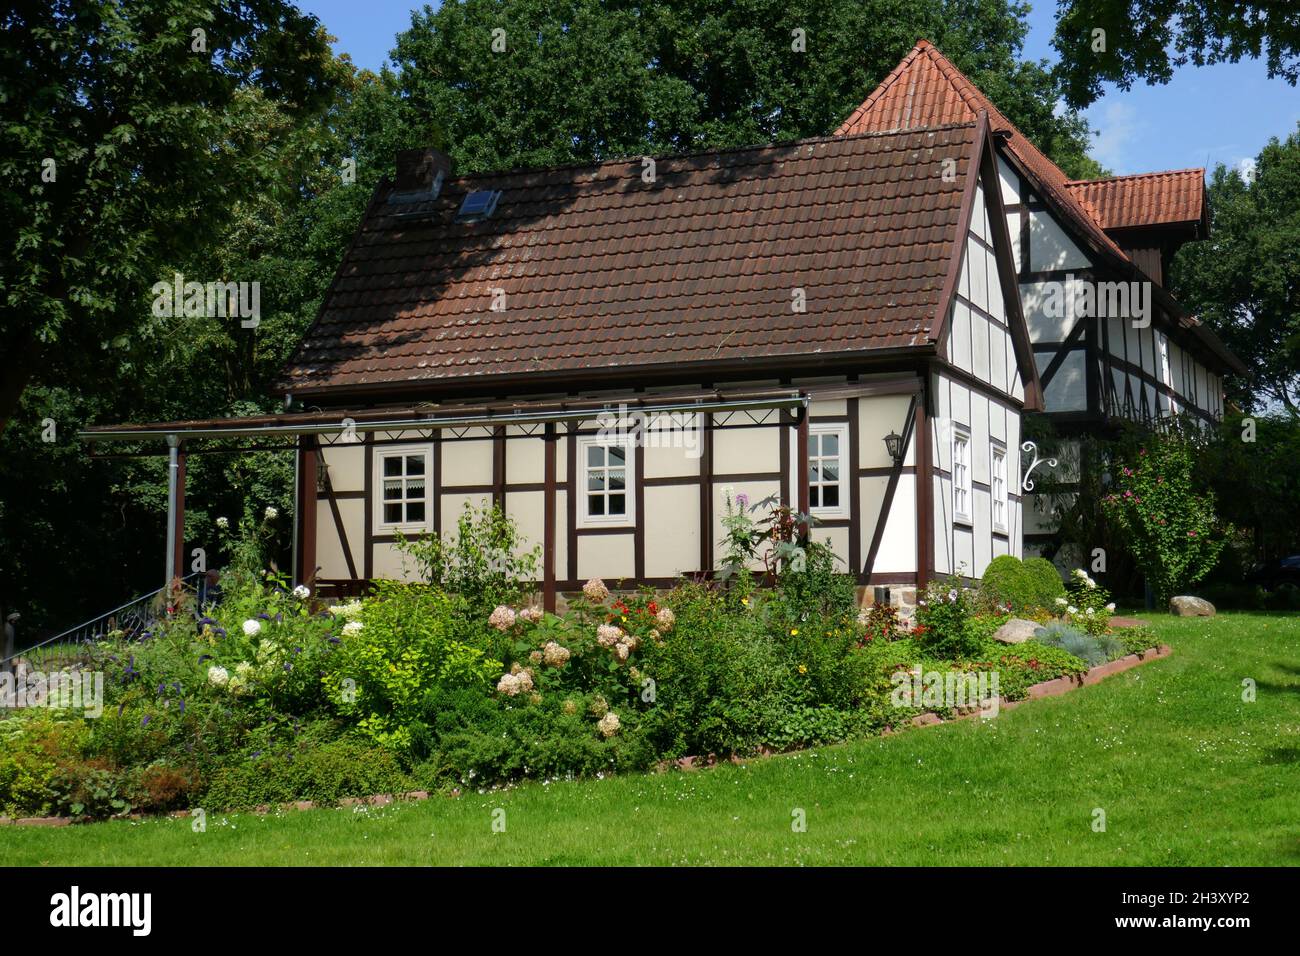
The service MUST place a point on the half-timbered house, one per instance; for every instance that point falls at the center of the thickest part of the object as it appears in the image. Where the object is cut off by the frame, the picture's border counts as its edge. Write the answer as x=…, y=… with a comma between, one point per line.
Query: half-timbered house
x=854, y=325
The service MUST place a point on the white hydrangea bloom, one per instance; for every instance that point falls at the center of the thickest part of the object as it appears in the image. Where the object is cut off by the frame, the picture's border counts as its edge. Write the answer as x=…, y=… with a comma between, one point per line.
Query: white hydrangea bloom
x=272, y=512
x=608, y=725
x=223, y=523
x=352, y=628
x=302, y=592
x=502, y=618
x=252, y=627
x=218, y=676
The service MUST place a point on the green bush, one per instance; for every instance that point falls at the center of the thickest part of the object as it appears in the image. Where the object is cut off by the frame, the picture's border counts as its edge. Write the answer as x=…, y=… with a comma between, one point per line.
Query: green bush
x=1007, y=582
x=945, y=627
x=402, y=646
x=484, y=561
x=1045, y=581
x=316, y=769
x=34, y=747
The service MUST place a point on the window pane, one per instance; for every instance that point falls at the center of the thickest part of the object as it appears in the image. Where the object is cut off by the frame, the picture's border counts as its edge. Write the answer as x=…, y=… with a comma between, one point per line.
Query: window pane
x=617, y=477
x=618, y=504
x=814, y=473
x=392, y=489
x=415, y=464
x=831, y=470
x=415, y=488
x=830, y=444
x=415, y=511
x=595, y=504
x=392, y=466
x=831, y=496
x=595, y=481
x=392, y=514
x=595, y=456
x=617, y=455
x=814, y=498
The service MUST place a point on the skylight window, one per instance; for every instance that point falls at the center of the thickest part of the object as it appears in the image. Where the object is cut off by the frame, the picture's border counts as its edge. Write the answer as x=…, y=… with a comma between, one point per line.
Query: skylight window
x=478, y=205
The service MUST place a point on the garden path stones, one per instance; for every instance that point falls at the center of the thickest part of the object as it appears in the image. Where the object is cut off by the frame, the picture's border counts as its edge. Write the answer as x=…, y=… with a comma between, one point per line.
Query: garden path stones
x=1188, y=606
x=1016, y=631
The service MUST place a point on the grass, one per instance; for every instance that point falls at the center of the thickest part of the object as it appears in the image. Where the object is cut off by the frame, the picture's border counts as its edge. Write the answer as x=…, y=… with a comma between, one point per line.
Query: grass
x=1185, y=770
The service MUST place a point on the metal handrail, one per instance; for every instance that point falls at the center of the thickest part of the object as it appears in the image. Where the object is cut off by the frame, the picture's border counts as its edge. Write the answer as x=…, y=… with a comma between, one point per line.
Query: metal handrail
x=88, y=630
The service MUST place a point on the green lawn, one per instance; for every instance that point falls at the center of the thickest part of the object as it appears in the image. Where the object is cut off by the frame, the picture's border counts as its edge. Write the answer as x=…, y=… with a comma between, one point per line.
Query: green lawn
x=1186, y=772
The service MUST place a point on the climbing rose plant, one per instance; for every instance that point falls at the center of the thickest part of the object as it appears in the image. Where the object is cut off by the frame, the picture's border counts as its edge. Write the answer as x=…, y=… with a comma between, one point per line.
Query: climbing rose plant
x=1170, y=528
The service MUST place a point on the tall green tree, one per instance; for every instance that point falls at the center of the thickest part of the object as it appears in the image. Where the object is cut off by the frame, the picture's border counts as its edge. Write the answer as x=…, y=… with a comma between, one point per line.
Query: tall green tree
x=1245, y=280
x=115, y=122
x=538, y=82
x=1122, y=41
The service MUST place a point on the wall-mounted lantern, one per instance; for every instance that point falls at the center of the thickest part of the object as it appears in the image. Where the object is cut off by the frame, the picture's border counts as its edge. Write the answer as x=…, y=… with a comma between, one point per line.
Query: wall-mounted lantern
x=894, y=445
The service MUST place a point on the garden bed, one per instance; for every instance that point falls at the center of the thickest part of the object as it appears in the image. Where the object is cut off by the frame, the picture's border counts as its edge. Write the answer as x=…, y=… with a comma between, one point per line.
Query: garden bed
x=269, y=700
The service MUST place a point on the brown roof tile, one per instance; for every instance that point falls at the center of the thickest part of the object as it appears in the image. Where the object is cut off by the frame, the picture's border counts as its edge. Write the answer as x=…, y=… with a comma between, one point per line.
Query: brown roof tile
x=601, y=270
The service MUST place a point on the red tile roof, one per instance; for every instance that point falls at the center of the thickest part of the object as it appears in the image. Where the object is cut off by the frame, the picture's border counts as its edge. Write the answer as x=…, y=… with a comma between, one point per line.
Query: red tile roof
x=600, y=270
x=927, y=88
x=1144, y=199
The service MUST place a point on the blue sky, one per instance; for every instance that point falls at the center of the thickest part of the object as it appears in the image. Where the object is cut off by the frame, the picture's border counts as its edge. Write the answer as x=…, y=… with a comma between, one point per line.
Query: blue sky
x=1207, y=115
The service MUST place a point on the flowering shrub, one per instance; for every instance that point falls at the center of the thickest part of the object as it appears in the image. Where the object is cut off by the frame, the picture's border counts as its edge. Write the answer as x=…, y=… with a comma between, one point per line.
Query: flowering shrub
x=943, y=621
x=1086, y=604
x=1170, y=528
x=880, y=622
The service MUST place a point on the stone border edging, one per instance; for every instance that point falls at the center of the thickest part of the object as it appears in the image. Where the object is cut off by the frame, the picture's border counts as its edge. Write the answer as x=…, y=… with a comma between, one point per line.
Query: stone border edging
x=1061, y=685
x=1049, y=688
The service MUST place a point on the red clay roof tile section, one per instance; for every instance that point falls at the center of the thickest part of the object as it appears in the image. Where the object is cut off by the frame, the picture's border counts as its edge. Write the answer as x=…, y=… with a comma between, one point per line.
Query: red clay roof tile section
x=1145, y=199
x=597, y=269
x=926, y=88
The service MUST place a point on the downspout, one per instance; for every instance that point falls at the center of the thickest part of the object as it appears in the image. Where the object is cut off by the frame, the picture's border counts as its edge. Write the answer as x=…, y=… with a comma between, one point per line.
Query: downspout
x=173, y=470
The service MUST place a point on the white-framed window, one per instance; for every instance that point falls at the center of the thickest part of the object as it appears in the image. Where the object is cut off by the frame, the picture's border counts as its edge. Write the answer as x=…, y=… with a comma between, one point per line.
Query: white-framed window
x=961, y=474
x=828, y=457
x=998, y=485
x=606, y=469
x=404, y=483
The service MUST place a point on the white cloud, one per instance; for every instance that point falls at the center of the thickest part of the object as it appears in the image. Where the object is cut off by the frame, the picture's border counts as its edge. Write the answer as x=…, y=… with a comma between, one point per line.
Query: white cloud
x=1116, y=127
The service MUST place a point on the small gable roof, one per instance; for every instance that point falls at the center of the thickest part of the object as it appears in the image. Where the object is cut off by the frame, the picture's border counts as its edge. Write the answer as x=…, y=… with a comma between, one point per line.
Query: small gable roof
x=1176, y=197
x=592, y=268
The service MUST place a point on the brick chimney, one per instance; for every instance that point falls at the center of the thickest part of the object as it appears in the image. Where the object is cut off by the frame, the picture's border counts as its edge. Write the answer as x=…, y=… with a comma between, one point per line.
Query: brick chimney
x=420, y=174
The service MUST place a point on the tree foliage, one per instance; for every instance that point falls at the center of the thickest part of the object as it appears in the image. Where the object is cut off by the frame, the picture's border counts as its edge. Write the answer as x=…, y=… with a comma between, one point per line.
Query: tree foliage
x=1245, y=280
x=1147, y=39
x=583, y=80
x=121, y=148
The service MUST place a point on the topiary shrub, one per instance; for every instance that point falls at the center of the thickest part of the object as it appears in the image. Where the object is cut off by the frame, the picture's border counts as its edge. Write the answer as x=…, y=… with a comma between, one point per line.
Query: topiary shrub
x=1046, y=581
x=1006, y=582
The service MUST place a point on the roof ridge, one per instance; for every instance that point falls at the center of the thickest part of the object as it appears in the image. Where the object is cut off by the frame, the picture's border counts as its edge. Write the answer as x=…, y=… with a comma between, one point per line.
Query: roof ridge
x=1154, y=172
x=727, y=150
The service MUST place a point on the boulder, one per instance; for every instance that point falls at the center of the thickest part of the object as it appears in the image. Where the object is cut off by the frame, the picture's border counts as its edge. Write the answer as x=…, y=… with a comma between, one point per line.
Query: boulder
x=1016, y=631
x=1188, y=606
